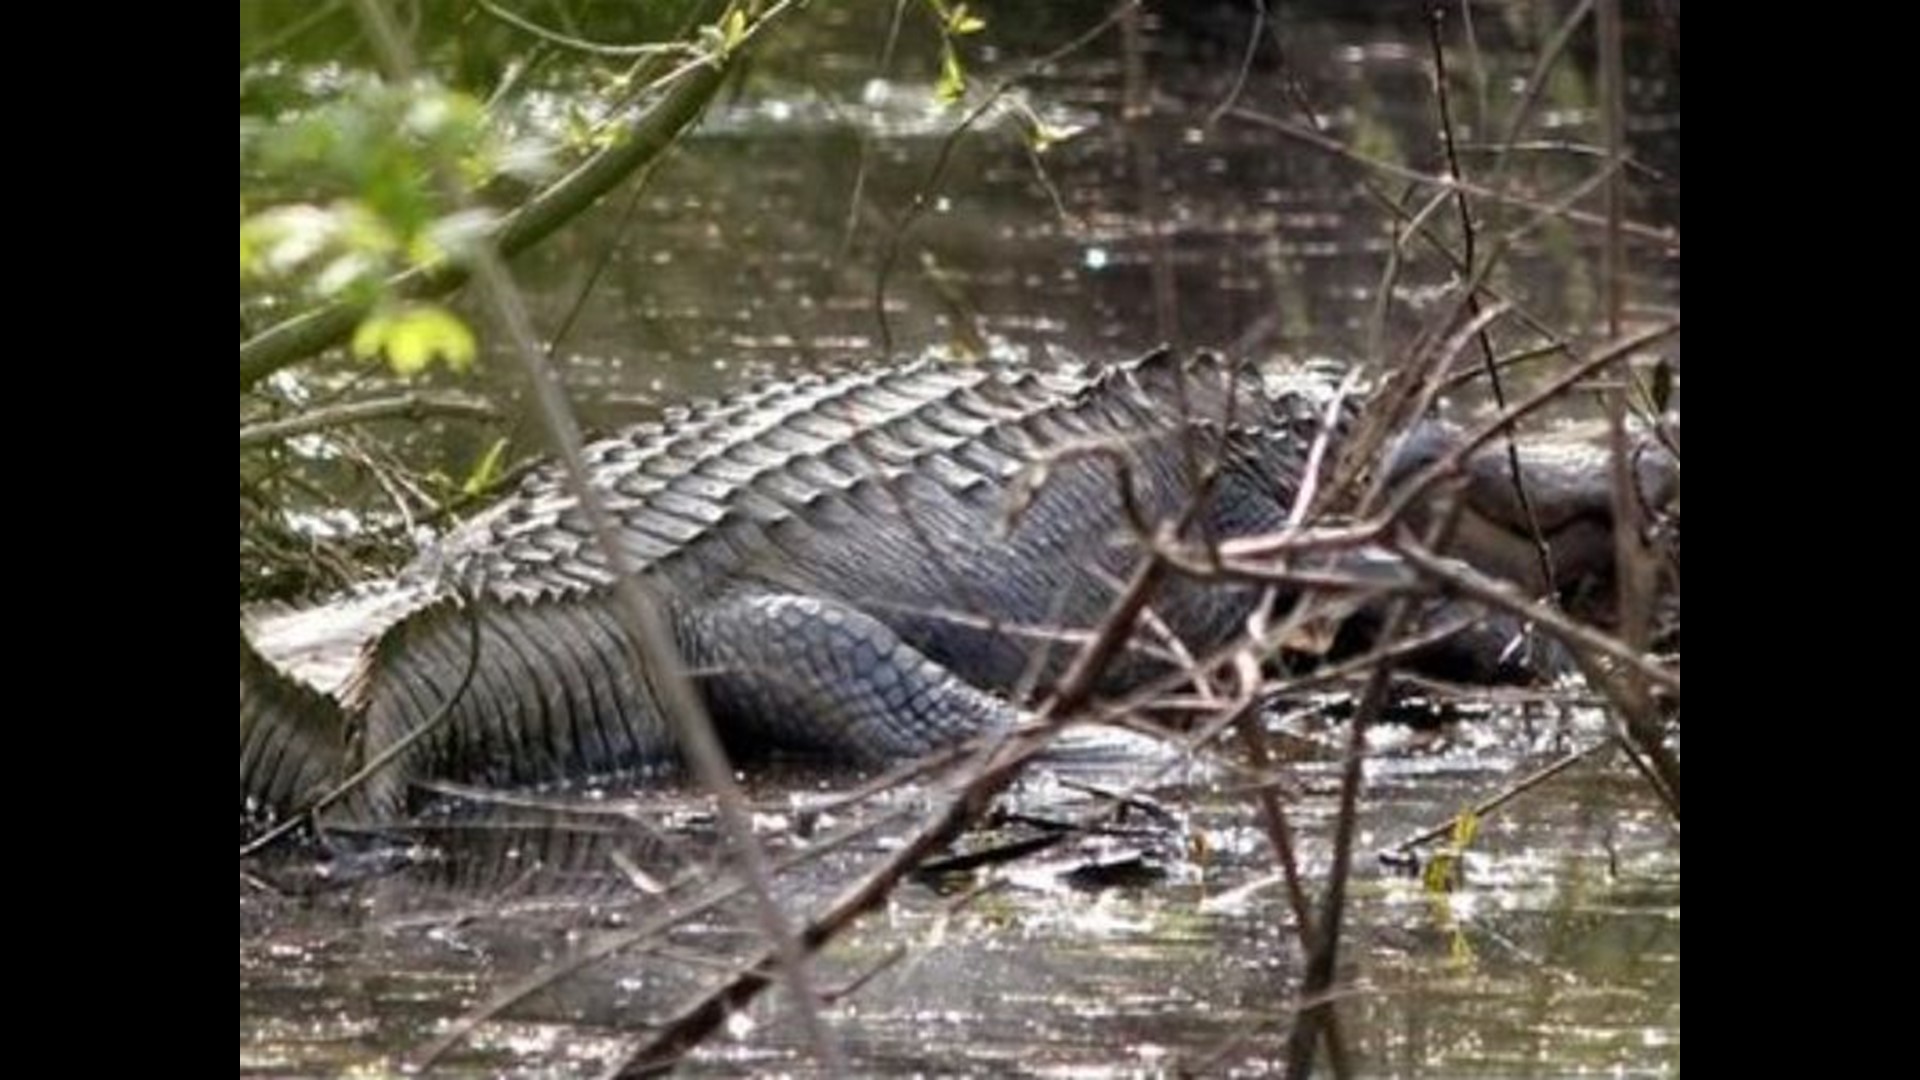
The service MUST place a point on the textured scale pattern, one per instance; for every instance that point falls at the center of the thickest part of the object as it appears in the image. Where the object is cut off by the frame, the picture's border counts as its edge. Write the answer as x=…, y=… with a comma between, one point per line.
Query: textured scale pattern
x=836, y=558
x=677, y=489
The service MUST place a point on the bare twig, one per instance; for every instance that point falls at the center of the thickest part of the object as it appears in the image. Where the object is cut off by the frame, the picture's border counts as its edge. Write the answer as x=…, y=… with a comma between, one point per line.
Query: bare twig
x=1449, y=464
x=856, y=197
x=594, y=48
x=888, y=960
x=1415, y=224
x=1628, y=163
x=1666, y=237
x=639, y=613
x=1537, y=81
x=1498, y=594
x=1504, y=795
x=1246, y=63
x=608, y=250
x=1317, y=980
x=922, y=196
x=1476, y=65
x=1134, y=111
x=1635, y=571
x=997, y=766
x=1316, y=1020
x=1640, y=734
x=1435, y=14
x=715, y=893
x=413, y=405
x=320, y=13
x=1280, y=836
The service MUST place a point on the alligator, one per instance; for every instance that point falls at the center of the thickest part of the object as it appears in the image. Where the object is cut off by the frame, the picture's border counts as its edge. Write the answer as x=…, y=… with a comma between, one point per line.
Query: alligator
x=840, y=563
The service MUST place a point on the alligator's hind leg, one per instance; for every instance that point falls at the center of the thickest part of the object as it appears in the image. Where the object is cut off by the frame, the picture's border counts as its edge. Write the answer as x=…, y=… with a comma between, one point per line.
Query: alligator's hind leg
x=787, y=672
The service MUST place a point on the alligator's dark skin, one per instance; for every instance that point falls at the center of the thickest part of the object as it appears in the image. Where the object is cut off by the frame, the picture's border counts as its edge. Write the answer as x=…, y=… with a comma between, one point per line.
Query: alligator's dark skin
x=839, y=569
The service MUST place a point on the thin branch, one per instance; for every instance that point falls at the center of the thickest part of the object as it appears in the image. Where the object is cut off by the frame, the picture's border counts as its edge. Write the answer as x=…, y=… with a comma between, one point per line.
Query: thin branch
x=1321, y=962
x=1476, y=65
x=639, y=612
x=1537, y=80
x=998, y=765
x=921, y=197
x=1448, y=465
x=699, y=1018
x=1390, y=272
x=1316, y=1020
x=1503, y=796
x=1246, y=64
x=412, y=405
x=1415, y=225
x=716, y=894
x=1639, y=735
x=1666, y=237
x=1499, y=594
x=292, y=31
x=595, y=48
x=1280, y=837
x=1628, y=162
x=857, y=195
x=1635, y=572
x=1436, y=13
x=1136, y=107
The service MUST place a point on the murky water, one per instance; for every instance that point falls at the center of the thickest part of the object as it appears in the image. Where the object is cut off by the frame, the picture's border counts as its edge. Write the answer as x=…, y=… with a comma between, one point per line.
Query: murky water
x=1164, y=946
x=1159, y=942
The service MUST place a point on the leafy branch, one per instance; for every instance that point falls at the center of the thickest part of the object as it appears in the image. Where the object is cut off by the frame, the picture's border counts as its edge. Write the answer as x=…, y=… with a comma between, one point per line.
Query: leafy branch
x=684, y=94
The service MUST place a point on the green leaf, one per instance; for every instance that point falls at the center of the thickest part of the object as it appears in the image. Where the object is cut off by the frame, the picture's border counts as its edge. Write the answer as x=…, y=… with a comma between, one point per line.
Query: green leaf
x=1042, y=136
x=358, y=228
x=413, y=336
x=953, y=78
x=721, y=39
x=1465, y=828
x=368, y=336
x=1460, y=951
x=249, y=249
x=962, y=21
x=487, y=472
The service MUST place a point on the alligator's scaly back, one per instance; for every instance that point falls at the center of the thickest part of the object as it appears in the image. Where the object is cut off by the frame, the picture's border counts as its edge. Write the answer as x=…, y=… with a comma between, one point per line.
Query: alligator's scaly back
x=814, y=543
x=835, y=559
x=715, y=477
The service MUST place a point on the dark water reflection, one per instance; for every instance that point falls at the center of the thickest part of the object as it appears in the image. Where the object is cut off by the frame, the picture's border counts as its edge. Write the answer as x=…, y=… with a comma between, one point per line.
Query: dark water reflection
x=759, y=249
x=1559, y=952
x=755, y=251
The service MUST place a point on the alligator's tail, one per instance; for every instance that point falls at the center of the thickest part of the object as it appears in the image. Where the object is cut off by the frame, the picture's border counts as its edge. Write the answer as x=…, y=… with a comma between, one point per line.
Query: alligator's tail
x=292, y=740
